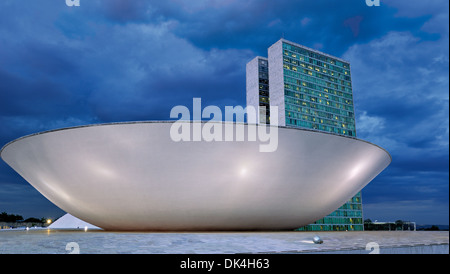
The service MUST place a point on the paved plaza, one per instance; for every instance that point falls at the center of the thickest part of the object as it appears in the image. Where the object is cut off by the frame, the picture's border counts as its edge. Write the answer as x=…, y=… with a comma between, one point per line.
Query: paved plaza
x=105, y=242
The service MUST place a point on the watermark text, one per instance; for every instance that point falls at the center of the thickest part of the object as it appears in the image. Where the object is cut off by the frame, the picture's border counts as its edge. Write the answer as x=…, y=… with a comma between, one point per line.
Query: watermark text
x=215, y=130
x=372, y=3
x=71, y=3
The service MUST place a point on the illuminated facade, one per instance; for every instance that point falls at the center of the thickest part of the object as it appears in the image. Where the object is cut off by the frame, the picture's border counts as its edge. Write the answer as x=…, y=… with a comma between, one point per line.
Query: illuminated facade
x=257, y=83
x=312, y=90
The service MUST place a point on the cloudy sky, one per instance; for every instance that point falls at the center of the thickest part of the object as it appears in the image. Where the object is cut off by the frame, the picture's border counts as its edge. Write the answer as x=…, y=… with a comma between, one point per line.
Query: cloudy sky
x=128, y=60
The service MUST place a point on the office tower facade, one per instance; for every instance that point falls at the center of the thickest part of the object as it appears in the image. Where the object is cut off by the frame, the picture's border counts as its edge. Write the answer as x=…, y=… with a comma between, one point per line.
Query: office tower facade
x=257, y=85
x=311, y=90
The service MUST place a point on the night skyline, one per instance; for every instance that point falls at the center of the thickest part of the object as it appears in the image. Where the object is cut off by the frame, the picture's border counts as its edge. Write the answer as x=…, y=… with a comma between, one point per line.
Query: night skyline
x=114, y=61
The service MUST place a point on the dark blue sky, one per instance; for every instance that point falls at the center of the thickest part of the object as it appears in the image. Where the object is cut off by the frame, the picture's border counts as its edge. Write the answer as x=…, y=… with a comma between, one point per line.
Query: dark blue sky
x=124, y=60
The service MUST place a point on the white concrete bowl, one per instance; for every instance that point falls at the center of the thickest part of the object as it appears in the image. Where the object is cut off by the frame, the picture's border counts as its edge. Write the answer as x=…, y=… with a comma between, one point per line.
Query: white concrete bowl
x=133, y=176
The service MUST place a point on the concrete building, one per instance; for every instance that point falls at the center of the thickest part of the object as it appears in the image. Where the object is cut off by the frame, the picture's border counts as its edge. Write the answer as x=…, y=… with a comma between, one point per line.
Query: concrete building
x=133, y=176
x=257, y=86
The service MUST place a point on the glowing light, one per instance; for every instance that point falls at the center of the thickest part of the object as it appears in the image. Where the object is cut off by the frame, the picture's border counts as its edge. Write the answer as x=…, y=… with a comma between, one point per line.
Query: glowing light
x=49, y=221
x=357, y=170
x=85, y=228
x=243, y=171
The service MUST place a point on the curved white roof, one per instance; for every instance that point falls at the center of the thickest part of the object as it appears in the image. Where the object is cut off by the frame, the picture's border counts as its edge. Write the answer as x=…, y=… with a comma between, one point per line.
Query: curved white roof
x=133, y=176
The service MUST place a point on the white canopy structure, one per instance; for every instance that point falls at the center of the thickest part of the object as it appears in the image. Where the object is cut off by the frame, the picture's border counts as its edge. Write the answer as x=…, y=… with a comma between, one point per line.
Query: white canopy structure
x=68, y=221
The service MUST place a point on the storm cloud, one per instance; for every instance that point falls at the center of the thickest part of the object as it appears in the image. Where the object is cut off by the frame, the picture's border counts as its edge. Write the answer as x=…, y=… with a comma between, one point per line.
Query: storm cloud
x=116, y=60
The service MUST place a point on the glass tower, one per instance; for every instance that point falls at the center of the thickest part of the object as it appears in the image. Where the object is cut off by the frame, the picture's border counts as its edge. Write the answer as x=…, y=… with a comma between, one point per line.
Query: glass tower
x=312, y=90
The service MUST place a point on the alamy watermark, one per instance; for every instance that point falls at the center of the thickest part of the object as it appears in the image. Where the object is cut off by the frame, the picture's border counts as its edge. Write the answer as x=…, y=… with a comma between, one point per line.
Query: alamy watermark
x=71, y=3
x=73, y=248
x=373, y=247
x=216, y=130
x=372, y=3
